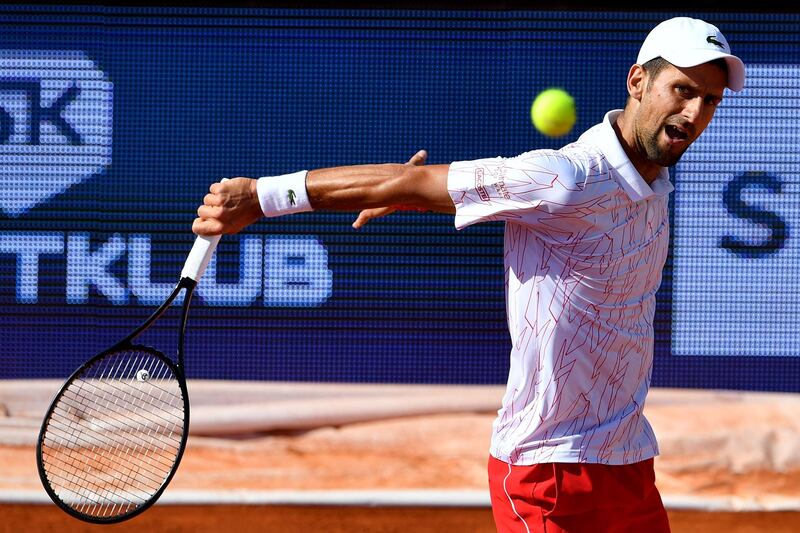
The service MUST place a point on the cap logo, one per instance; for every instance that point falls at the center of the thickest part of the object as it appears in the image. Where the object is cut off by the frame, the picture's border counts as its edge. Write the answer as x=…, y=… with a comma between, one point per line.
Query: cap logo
x=712, y=40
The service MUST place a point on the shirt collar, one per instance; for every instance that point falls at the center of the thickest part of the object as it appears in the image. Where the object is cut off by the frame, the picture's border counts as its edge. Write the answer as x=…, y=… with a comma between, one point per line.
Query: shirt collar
x=632, y=182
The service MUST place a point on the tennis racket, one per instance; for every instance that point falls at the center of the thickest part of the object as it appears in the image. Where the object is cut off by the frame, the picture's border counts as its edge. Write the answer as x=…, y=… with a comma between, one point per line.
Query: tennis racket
x=114, y=434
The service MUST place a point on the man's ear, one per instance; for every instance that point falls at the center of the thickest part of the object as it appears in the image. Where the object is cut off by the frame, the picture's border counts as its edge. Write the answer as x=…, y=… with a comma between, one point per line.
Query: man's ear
x=637, y=77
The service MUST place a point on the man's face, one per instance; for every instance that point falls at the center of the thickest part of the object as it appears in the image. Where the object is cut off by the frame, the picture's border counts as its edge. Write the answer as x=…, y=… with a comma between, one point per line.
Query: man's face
x=675, y=108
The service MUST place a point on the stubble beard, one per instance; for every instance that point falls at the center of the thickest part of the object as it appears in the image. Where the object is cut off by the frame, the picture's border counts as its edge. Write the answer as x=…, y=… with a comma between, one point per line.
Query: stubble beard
x=648, y=144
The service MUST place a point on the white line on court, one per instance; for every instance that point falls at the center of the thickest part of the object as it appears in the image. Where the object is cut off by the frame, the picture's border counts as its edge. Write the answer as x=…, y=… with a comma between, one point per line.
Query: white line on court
x=401, y=498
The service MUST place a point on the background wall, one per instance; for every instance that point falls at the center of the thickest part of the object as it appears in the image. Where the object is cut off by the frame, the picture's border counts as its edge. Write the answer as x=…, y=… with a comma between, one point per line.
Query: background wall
x=114, y=121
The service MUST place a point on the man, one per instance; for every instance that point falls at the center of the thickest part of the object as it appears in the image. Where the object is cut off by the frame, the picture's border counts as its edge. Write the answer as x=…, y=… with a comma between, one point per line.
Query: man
x=586, y=238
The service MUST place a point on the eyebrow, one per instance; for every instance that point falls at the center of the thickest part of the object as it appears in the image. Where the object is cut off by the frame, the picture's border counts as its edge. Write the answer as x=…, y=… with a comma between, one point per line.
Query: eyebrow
x=687, y=81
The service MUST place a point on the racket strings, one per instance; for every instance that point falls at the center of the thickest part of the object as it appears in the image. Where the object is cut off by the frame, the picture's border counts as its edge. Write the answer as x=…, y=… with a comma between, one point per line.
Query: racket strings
x=139, y=478
x=113, y=445
x=115, y=434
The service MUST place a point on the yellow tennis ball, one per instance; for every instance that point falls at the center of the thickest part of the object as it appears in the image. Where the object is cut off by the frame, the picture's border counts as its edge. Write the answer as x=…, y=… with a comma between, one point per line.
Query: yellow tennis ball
x=553, y=112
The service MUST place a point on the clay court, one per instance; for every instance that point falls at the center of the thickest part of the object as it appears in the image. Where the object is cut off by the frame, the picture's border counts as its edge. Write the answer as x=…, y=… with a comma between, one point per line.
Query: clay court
x=260, y=458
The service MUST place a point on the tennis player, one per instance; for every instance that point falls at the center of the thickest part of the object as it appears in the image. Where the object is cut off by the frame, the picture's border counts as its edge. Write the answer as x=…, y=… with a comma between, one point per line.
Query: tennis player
x=586, y=237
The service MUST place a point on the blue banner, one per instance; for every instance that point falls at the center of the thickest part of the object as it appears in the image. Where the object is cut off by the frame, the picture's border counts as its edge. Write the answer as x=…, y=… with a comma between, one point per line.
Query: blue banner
x=114, y=121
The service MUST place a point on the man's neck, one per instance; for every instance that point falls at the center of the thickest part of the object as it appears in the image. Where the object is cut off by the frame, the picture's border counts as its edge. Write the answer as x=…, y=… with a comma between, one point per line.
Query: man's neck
x=623, y=127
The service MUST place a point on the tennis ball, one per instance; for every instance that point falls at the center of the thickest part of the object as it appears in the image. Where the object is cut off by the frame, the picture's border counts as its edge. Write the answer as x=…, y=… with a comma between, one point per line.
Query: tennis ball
x=553, y=112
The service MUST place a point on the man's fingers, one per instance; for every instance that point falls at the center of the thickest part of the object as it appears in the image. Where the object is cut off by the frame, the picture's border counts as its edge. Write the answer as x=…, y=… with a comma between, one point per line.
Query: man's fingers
x=228, y=207
x=419, y=158
x=368, y=214
x=207, y=226
x=361, y=220
x=212, y=199
x=209, y=211
x=217, y=188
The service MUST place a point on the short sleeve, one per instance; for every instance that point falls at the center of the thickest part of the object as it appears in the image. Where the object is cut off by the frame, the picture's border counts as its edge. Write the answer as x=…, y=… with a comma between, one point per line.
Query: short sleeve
x=521, y=188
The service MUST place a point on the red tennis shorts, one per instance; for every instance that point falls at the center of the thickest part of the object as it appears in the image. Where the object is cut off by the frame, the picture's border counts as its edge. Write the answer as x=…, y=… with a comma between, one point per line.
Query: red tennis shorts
x=576, y=498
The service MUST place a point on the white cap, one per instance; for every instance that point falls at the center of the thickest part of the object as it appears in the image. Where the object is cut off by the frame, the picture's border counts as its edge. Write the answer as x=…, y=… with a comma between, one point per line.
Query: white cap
x=687, y=42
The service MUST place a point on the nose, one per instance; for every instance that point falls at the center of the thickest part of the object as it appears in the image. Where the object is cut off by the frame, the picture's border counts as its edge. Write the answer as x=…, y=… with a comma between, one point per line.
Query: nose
x=693, y=110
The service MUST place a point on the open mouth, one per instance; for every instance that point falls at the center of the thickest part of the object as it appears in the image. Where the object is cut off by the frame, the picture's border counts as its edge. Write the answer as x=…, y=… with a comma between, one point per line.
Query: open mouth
x=675, y=133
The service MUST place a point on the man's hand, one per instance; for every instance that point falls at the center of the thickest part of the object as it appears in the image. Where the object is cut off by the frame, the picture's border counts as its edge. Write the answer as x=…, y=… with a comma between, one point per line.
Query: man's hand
x=229, y=207
x=366, y=215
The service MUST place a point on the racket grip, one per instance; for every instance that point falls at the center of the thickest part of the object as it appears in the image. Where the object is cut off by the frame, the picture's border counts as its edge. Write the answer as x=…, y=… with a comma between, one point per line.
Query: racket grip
x=199, y=257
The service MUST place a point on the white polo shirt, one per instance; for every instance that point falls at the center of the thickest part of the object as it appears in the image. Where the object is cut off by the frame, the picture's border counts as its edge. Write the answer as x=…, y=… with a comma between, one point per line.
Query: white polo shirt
x=585, y=242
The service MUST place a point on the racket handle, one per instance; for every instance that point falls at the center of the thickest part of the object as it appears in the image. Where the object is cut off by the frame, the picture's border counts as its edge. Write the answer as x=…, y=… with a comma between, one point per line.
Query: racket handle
x=200, y=255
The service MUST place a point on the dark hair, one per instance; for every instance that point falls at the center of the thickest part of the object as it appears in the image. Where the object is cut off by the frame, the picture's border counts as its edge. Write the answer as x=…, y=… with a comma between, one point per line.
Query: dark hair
x=656, y=65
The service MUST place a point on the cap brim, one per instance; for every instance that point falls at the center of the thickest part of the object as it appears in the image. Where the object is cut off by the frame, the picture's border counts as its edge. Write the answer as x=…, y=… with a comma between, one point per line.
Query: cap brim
x=692, y=58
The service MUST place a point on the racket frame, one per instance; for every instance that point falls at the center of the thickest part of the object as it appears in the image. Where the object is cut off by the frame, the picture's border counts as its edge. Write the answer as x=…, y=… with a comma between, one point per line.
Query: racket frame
x=186, y=284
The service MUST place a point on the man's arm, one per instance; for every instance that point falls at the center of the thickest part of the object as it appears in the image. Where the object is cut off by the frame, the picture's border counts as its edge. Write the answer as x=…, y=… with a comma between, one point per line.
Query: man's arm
x=368, y=186
x=233, y=205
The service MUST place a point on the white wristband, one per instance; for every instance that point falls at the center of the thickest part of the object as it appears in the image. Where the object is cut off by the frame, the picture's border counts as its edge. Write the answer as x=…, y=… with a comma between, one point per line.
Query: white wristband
x=283, y=195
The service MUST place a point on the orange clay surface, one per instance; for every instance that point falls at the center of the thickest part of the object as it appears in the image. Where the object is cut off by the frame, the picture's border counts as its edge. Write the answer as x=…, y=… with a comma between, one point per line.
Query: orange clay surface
x=736, y=451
